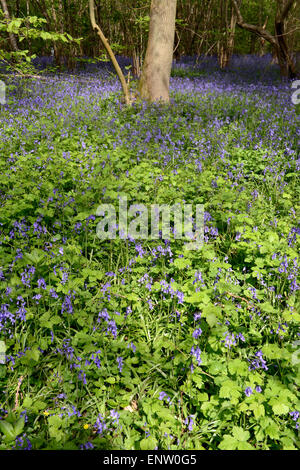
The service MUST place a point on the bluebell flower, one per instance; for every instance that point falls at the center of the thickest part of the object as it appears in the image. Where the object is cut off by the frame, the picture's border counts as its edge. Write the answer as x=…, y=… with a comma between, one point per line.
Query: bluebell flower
x=86, y=446
x=195, y=352
x=37, y=297
x=115, y=416
x=197, y=333
x=53, y=293
x=120, y=363
x=100, y=424
x=67, y=305
x=41, y=283
x=190, y=422
x=164, y=396
x=258, y=362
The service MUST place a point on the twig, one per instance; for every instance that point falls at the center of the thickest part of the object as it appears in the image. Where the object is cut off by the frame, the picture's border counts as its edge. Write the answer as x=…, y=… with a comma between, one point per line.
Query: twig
x=17, y=392
x=235, y=296
x=109, y=51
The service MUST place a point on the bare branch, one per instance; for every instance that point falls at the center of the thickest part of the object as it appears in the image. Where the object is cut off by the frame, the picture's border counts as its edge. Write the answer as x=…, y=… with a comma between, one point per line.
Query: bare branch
x=258, y=30
x=109, y=51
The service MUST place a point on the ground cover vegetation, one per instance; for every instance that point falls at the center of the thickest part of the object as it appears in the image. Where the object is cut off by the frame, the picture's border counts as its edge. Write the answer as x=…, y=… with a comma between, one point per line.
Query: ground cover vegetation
x=142, y=344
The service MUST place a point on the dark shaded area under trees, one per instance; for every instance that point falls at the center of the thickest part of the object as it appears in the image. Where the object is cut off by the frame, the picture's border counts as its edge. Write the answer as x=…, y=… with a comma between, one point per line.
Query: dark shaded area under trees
x=206, y=27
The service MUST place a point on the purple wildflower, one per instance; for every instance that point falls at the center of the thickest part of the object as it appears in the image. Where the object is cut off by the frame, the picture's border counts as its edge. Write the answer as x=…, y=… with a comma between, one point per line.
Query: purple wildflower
x=120, y=363
x=195, y=352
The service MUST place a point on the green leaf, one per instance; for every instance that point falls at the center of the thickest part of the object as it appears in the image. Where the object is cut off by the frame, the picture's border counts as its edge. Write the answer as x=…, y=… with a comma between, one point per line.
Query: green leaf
x=33, y=354
x=27, y=402
x=245, y=446
x=132, y=296
x=198, y=381
x=240, y=434
x=238, y=367
x=258, y=409
x=45, y=35
x=272, y=431
x=14, y=25
x=36, y=256
x=211, y=319
x=229, y=389
x=55, y=421
x=110, y=380
x=181, y=263
x=228, y=443
x=212, y=314
x=272, y=351
x=208, y=254
x=280, y=409
x=19, y=426
x=3, y=371
x=217, y=368
x=202, y=397
x=165, y=414
x=39, y=405
x=7, y=429
x=198, y=297
x=287, y=444
x=148, y=444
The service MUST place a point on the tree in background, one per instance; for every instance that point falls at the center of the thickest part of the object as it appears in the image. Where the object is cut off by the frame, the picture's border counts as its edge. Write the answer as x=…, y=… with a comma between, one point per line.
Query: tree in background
x=29, y=29
x=227, y=32
x=202, y=27
x=12, y=37
x=61, y=18
x=278, y=40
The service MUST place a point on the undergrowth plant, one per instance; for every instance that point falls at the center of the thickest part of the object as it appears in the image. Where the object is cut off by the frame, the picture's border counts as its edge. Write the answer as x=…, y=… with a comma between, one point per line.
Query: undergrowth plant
x=143, y=344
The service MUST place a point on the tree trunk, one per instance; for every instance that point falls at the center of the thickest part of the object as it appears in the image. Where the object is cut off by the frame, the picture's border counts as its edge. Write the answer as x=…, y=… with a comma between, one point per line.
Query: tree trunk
x=262, y=40
x=155, y=78
x=285, y=61
x=278, y=41
x=136, y=63
x=58, y=48
x=226, y=43
x=12, y=37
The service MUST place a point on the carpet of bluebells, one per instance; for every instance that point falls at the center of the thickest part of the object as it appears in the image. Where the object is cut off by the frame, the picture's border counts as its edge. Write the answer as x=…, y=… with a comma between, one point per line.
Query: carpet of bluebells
x=143, y=344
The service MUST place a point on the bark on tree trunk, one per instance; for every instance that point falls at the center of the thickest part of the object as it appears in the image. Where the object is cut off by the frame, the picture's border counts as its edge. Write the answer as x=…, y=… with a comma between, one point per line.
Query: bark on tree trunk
x=58, y=49
x=155, y=78
x=12, y=37
x=285, y=61
x=278, y=41
x=262, y=40
x=226, y=43
x=136, y=63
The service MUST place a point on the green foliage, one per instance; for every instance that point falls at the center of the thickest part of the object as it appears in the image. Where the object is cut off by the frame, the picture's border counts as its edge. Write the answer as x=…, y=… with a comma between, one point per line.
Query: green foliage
x=20, y=60
x=11, y=427
x=134, y=380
